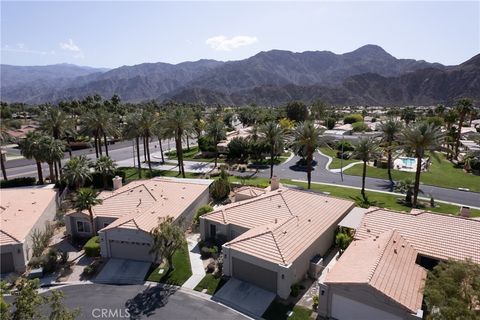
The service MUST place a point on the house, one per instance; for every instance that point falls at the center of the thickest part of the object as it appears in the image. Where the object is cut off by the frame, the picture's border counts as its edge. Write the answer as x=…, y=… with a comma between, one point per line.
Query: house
x=128, y=214
x=271, y=238
x=375, y=278
x=23, y=210
x=239, y=133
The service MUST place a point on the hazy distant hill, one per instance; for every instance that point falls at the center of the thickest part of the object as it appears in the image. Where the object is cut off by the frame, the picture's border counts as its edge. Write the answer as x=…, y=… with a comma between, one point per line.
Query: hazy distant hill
x=367, y=75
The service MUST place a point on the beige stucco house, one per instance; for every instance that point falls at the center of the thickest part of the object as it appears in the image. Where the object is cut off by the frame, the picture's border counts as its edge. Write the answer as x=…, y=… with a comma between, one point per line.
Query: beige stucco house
x=23, y=210
x=272, y=237
x=128, y=214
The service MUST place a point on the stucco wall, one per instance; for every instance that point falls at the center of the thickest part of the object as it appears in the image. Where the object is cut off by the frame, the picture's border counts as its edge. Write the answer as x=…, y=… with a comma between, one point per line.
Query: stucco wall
x=71, y=225
x=121, y=234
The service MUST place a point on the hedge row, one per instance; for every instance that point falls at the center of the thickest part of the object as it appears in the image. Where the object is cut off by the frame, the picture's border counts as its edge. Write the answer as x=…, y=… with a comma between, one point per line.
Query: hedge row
x=92, y=247
x=18, y=182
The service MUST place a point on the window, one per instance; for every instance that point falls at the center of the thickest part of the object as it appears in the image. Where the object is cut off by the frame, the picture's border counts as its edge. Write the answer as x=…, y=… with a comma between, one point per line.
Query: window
x=83, y=226
x=213, y=230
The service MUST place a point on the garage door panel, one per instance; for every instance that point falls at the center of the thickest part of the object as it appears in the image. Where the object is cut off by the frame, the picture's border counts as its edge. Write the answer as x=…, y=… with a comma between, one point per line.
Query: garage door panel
x=7, y=264
x=254, y=274
x=130, y=250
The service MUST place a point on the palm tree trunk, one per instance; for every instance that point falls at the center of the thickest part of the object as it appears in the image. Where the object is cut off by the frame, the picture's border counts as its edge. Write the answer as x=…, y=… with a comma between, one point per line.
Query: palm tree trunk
x=161, y=149
x=56, y=171
x=40, y=172
x=364, y=174
x=105, y=182
x=389, y=167
x=309, y=168
x=459, y=133
x=178, y=142
x=216, y=155
x=148, y=156
x=416, y=187
x=2, y=163
x=271, y=163
x=137, y=140
x=59, y=163
x=99, y=141
x=106, y=145
x=188, y=143
x=52, y=175
x=96, y=146
x=144, y=150
x=94, y=230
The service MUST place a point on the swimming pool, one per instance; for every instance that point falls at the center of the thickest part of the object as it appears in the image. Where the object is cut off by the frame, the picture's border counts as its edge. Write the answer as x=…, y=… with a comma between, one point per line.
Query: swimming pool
x=409, y=162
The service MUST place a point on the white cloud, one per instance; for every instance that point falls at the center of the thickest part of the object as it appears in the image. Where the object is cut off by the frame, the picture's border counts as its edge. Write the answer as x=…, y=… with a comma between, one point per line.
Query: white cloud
x=223, y=43
x=70, y=46
x=22, y=48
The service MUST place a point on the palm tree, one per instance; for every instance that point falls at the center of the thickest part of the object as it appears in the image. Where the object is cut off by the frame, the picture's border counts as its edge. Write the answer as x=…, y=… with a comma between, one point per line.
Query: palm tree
x=4, y=138
x=105, y=166
x=54, y=153
x=177, y=122
x=131, y=131
x=57, y=123
x=30, y=149
x=406, y=187
x=390, y=130
x=85, y=200
x=274, y=137
x=98, y=123
x=306, y=140
x=408, y=115
x=366, y=150
x=215, y=131
x=146, y=126
x=420, y=139
x=464, y=107
x=77, y=171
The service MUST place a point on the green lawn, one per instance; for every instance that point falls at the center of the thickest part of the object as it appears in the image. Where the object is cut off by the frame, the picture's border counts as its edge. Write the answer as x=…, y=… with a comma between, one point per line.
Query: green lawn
x=132, y=173
x=336, y=162
x=211, y=283
x=279, y=311
x=180, y=274
x=255, y=181
x=441, y=173
x=383, y=200
x=190, y=155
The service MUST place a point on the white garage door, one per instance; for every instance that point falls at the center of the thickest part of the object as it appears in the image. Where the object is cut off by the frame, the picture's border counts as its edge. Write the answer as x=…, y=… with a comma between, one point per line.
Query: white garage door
x=346, y=309
x=130, y=250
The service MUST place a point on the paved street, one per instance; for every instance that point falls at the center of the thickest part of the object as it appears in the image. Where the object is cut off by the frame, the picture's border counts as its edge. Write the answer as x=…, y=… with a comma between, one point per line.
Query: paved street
x=97, y=301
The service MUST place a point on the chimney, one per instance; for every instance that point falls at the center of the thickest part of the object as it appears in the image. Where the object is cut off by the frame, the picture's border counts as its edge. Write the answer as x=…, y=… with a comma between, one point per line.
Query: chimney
x=465, y=212
x=274, y=183
x=117, y=182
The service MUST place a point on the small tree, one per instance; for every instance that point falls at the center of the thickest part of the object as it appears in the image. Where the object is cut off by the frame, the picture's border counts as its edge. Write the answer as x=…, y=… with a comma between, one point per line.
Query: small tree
x=106, y=167
x=343, y=239
x=452, y=290
x=296, y=111
x=85, y=200
x=330, y=123
x=201, y=211
x=77, y=171
x=406, y=187
x=59, y=311
x=27, y=300
x=167, y=238
x=220, y=188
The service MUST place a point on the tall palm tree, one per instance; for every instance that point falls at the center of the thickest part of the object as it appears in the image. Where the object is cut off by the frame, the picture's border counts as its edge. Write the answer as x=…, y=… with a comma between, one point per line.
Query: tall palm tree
x=274, y=138
x=85, y=200
x=215, y=131
x=177, y=122
x=366, y=150
x=420, y=139
x=30, y=149
x=161, y=134
x=57, y=123
x=464, y=107
x=98, y=123
x=105, y=166
x=131, y=131
x=408, y=115
x=146, y=126
x=390, y=130
x=54, y=153
x=77, y=171
x=5, y=137
x=306, y=140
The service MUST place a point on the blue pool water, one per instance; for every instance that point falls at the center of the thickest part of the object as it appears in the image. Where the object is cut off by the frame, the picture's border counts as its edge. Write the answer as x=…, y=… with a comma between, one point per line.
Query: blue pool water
x=409, y=162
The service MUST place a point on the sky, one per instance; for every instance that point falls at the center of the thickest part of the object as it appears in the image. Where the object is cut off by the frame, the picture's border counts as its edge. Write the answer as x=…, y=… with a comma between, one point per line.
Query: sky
x=111, y=34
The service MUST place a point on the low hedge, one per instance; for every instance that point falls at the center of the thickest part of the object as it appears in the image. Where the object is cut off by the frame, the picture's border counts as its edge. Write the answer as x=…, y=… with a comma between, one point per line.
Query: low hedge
x=18, y=182
x=92, y=247
x=97, y=179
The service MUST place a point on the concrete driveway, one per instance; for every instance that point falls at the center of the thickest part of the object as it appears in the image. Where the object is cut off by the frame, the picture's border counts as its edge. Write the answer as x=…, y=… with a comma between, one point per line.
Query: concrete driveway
x=123, y=271
x=244, y=297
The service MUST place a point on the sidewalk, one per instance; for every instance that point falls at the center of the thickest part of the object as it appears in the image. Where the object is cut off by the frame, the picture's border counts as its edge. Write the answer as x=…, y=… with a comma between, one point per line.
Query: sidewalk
x=198, y=271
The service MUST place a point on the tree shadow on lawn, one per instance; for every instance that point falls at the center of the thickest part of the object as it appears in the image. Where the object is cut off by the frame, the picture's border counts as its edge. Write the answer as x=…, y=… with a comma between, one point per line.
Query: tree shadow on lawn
x=301, y=166
x=146, y=302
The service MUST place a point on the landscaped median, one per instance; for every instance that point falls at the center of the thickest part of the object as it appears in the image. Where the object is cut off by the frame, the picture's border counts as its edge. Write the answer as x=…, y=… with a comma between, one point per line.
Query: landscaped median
x=211, y=283
x=336, y=162
x=181, y=272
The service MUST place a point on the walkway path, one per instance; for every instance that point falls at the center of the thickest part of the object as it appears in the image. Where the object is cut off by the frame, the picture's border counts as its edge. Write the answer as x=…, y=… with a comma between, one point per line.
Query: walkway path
x=198, y=271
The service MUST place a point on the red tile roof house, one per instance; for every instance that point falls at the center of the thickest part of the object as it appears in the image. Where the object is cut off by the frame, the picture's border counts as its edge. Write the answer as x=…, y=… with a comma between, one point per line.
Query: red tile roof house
x=273, y=236
x=379, y=275
x=128, y=214
x=22, y=211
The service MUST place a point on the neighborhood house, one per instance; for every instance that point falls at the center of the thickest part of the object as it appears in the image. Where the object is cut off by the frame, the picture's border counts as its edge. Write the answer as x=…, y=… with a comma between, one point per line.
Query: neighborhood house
x=128, y=214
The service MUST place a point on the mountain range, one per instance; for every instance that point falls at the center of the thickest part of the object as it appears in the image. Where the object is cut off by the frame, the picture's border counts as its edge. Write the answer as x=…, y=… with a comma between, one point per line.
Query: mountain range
x=368, y=75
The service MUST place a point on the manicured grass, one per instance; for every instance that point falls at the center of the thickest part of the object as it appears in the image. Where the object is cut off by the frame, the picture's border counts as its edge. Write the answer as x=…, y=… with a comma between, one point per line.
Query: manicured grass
x=441, y=173
x=190, y=155
x=279, y=311
x=336, y=162
x=131, y=173
x=255, y=181
x=177, y=276
x=382, y=200
x=211, y=283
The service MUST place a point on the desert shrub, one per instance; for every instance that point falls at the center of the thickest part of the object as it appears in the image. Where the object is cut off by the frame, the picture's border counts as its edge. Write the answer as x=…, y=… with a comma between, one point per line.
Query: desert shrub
x=315, y=300
x=342, y=240
x=35, y=262
x=295, y=289
x=360, y=127
x=89, y=270
x=210, y=267
x=92, y=247
x=50, y=260
x=18, y=182
x=201, y=211
x=347, y=146
x=63, y=257
x=206, y=145
x=352, y=118
x=330, y=123
x=209, y=252
x=220, y=188
x=41, y=239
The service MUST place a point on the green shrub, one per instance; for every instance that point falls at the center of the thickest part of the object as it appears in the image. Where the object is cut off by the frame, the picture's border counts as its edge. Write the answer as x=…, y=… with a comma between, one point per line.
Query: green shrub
x=209, y=252
x=343, y=240
x=50, y=260
x=295, y=289
x=41, y=239
x=92, y=247
x=360, y=127
x=205, y=144
x=330, y=123
x=352, y=118
x=201, y=211
x=315, y=299
x=97, y=179
x=347, y=146
x=18, y=182
x=89, y=270
x=220, y=188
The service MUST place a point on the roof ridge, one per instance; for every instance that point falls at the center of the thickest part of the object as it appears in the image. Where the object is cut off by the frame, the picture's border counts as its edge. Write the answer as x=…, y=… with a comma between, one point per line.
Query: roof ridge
x=126, y=190
x=261, y=233
x=9, y=235
x=382, y=252
x=286, y=204
x=278, y=247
